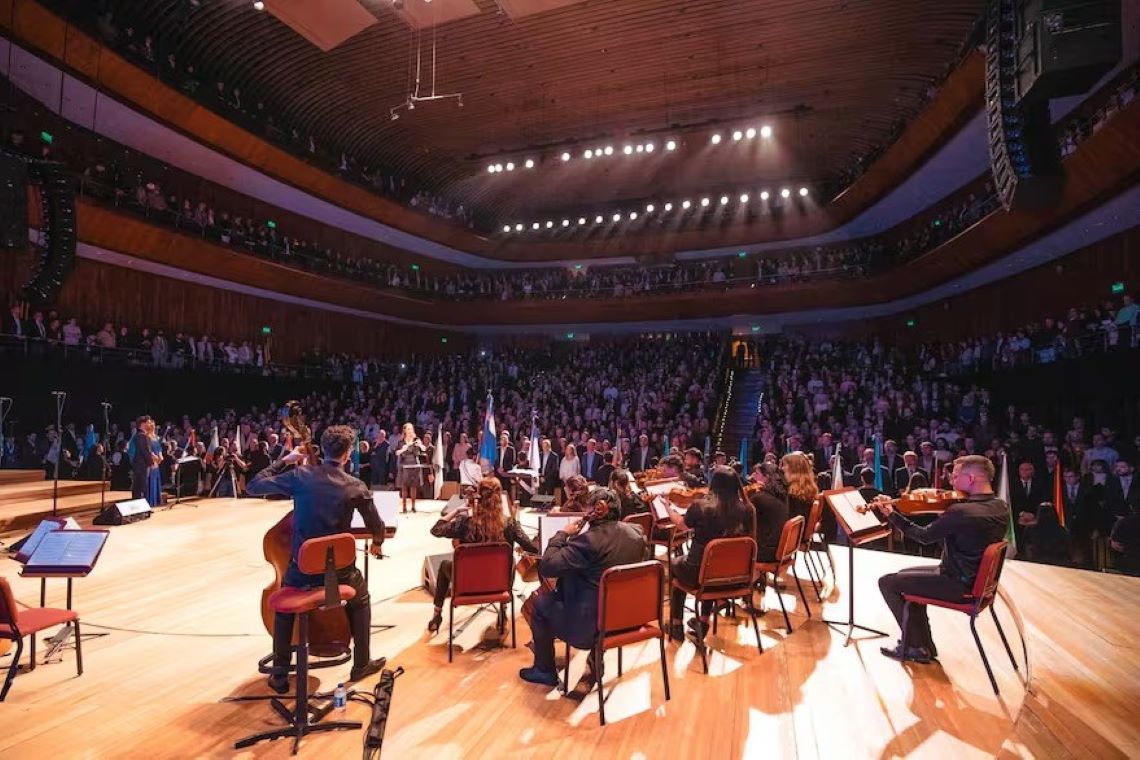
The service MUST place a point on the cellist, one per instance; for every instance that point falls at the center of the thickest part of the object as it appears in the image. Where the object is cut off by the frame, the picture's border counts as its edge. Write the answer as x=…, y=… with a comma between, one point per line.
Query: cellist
x=324, y=498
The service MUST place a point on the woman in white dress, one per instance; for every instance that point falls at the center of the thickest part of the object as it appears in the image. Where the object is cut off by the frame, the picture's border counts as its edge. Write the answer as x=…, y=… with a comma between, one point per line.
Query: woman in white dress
x=569, y=466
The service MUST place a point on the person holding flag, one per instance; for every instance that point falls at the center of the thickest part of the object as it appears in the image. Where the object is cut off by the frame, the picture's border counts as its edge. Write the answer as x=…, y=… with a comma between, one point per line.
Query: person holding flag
x=965, y=529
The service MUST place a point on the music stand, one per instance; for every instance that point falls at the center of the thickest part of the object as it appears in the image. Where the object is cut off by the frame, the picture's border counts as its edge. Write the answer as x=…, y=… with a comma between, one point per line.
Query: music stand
x=861, y=527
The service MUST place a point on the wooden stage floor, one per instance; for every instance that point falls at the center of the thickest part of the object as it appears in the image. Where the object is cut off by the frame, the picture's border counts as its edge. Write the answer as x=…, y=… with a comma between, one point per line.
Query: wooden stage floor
x=179, y=593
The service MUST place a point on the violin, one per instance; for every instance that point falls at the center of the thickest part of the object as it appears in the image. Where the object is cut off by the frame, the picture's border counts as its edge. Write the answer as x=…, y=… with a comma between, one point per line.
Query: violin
x=329, y=635
x=920, y=501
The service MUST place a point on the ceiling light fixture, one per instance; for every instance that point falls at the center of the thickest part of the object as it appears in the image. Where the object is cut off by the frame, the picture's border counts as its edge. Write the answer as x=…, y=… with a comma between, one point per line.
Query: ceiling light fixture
x=724, y=200
x=598, y=219
x=765, y=131
x=589, y=153
x=715, y=138
x=785, y=193
x=632, y=215
x=510, y=166
x=764, y=195
x=737, y=136
x=518, y=228
x=581, y=220
x=549, y=224
x=705, y=201
x=506, y=228
x=529, y=163
x=258, y=5
x=671, y=145
x=534, y=226
x=803, y=192
x=565, y=156
x=617, y=217
x=628, y=150
x=668, y=207
x=750, y=132
x=744, y=197
x=609, y=150
x=686, y=205
x=649, y=208
x=648, y=147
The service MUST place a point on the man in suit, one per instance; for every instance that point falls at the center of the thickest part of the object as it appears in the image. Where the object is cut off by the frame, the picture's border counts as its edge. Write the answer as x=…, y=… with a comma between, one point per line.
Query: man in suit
x=506, y=461
x=824, y=453
x=891, y=462
x=867, y=485
x=577, y=560
x=381, y=458
x=591, y=461
x=927, y=462
x=276, y=448
x=14, y=324
x=1025, y=496
x=1122, y=493
x=607, y=468
x=867, y=463
x=909, y=476
x=643, y=457
x=547, y=469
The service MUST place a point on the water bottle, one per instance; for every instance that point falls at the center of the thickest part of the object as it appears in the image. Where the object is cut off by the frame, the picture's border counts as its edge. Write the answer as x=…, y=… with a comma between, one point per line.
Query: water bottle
x=340, y=697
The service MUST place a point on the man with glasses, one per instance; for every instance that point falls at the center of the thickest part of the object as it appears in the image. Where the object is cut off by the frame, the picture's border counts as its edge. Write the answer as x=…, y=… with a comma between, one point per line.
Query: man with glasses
x=965, y=529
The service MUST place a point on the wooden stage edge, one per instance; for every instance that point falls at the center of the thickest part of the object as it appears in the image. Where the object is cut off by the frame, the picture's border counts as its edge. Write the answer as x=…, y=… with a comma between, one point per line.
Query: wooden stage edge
x=178, y=595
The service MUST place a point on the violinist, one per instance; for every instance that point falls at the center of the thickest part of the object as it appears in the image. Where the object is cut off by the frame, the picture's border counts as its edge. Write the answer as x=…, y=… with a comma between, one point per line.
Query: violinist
x=965, y=529
x=576, y=557
x=577, y=488
x=694, y=469
x=771, y=505
x=324, y=498
x=628, y=502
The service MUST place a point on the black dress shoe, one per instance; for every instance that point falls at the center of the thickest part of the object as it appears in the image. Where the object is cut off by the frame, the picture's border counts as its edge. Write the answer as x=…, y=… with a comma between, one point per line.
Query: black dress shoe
x=435, y=622
x=541, y=677
x=912, y=654
x=371, y=668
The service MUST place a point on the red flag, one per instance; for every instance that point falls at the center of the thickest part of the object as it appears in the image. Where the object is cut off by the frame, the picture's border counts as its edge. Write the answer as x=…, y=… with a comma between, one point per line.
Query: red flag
x=193, y=439
x=1058, y=494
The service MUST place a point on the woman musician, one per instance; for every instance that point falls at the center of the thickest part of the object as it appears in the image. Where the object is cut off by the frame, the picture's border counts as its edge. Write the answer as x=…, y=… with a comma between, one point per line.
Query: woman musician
x=485, y=522
x=410, y=452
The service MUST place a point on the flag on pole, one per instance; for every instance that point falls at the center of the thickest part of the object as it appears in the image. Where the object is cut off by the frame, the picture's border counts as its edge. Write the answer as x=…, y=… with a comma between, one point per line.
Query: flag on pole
x=1058, y=494
x=437, y=462
x=1003, y=494
x=744, y=452
x=356, y=454
x=879, y=484
x=237, y=439
x=534, y=456
x=489, y=446
x=191, y=441
x=213, y=441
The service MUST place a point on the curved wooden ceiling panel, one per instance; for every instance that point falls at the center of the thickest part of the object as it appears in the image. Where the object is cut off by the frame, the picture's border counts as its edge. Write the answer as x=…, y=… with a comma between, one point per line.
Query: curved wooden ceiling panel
x=832, y=78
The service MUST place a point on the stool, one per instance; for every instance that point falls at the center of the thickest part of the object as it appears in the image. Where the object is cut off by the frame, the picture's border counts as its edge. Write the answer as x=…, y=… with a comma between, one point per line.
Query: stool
x=324, y=555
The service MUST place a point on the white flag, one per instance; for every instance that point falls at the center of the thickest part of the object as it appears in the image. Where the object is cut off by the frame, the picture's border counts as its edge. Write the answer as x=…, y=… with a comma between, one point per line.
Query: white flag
x=437, y=462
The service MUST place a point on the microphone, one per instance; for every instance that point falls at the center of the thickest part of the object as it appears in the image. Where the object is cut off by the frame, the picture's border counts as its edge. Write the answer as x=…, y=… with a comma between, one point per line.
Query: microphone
x=105, y=404
x=4, y=398
x=59, y=393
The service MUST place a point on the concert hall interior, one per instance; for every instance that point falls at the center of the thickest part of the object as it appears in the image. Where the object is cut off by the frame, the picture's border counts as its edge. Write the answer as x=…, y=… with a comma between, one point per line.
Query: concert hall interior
x=565, y=378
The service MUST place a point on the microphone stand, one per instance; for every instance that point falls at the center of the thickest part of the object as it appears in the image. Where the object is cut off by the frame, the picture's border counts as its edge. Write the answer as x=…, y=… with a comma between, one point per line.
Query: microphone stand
x=106, y=457
x=60, y=400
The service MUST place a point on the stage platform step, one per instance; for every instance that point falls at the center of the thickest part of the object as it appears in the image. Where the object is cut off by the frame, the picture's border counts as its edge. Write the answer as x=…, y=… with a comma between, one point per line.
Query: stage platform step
x=26, y=514
x=20, y=476
x=13, y=492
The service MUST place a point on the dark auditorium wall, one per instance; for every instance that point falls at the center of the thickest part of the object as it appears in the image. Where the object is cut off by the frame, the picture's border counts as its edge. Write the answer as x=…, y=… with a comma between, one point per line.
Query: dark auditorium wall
x=98, y=292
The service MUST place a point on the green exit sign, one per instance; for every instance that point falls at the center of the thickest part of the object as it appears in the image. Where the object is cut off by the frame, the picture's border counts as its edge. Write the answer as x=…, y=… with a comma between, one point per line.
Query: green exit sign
x=415, y=267
x=271, y=224
x=1117, y=288
x=911, y=323
x=443, y=340
x=569, y=336
x=742, y=254
x=46, y=137
x=266, y=330
x=755, y=328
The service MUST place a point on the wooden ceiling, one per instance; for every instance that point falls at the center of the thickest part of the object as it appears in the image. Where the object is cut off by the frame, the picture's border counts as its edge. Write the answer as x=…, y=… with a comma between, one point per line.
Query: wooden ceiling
x=831, y=77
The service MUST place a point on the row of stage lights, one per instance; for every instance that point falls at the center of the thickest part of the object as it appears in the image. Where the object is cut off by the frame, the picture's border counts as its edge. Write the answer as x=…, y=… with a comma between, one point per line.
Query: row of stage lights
x=650, y=208
x=629, y=149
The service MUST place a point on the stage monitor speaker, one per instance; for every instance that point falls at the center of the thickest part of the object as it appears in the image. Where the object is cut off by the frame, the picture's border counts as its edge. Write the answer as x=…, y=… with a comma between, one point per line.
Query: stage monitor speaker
x=124, y=512
x=431, y=570
x=1066, y=46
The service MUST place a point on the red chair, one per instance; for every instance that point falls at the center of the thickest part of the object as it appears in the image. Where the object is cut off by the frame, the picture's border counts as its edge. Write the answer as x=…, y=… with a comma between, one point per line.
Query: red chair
x=973, y=603
x=630, y=609
x=317, y=556
x=16, y=624
x=791, y=536
x=643, y=520
x=481, y=574
x=727, y=572
x=807, y=542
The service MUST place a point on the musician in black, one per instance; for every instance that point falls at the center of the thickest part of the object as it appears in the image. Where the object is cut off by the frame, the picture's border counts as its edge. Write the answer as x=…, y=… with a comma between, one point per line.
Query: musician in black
x=324, y=498
x=965, y=529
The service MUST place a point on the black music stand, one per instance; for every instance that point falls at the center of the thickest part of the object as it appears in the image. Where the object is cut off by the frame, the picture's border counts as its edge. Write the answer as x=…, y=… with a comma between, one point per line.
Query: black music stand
x=861, y=527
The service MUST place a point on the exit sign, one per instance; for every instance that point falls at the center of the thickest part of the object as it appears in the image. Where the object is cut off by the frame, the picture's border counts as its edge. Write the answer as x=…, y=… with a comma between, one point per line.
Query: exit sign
x=1117, y=288
x=266, y=330
x=46, y=137
x=911, y=323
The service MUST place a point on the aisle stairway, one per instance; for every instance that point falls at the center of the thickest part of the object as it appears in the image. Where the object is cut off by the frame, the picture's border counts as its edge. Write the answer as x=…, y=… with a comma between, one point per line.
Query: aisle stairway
x=747, y=384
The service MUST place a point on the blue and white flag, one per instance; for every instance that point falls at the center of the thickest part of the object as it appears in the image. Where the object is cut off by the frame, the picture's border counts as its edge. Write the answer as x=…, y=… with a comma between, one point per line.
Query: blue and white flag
x=489, y=446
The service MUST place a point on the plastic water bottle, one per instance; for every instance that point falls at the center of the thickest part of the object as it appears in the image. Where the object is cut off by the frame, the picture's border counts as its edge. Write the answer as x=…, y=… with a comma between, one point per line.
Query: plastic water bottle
x=340, y=697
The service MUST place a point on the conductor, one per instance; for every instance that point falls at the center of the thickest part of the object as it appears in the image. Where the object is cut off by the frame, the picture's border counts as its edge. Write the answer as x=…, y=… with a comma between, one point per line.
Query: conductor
x=965, y=529
x=324, y=498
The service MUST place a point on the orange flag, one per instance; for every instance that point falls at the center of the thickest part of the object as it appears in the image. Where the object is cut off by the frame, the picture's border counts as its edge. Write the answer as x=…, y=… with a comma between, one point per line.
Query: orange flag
x=1058, y=495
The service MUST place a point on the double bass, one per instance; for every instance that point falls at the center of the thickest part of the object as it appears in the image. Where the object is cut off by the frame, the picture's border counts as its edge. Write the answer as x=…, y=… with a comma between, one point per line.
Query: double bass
x=329, y=635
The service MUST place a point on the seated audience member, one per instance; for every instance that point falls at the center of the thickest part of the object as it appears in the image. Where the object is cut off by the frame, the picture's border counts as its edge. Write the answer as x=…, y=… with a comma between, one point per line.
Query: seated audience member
x=576, y=557
x=722, y=513
x=486, y=524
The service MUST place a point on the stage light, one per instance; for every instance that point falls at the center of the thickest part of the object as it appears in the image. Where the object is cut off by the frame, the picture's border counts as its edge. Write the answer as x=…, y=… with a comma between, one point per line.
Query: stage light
x=744, y=197
x=565, y=222
x=648, y=147
x=581, y=220
x=764, y=195
x=685, y=205
x=498, y=167
x=632, y=215
x=803, y=192
x=490, y=168
x=506, y=228
x=565, y=156
x=671, y=145
x=668, y=207
x=640, y=148
x=724, y=200
x=598, y=219
x=765, y=131
x=258, y=5
x=518, y=228
x=534, y=226
x=529, y=163
x=785, y=193
x=750, y=132
x=609, y=150
x=510, y=166
x=628, y=150
x=549, y=224
x=649, y=208
x=705, y=201
x=617, y=217
x=737, y=136
x=589, y=153
x=715, y=138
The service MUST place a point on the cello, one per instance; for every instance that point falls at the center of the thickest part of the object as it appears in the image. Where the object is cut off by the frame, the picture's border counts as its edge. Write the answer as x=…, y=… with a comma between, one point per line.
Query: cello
x=329, y=634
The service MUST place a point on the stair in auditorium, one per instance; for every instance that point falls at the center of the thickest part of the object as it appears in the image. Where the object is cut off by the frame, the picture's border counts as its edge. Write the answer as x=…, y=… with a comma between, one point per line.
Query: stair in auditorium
x=747, y=384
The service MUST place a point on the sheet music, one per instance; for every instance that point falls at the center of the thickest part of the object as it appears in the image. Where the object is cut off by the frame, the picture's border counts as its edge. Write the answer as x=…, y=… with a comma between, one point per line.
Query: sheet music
x=68, y=549
x=848, y=504
x=660, y=508
x=663, y=489
x=386, y=505
x=45, y=527
x=548, y=525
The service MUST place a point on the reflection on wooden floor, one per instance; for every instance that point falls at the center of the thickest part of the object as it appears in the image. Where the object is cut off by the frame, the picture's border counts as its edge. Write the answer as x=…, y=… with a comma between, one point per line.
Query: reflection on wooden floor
x=179, y=596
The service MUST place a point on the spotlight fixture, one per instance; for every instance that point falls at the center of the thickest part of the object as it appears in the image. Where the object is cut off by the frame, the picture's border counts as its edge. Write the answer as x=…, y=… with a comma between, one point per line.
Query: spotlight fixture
x=589, y=153
x=534, y=226
x=649, y=208
x=737, y=136
x=490, y=168
x=609, y=150
x=565, y=222
x=565, y=156
x=617, y=217
x=715, y=138
x=258, y=5
x=803, y=192
x=705, y=201
x=549, y=224
x=518, y=228
x=510, y=166
x=668, y=207
x=640, y=148
x=764, y=195
x=785, y=193
x=632, y=215
x=724, y=200
x=506, y=228
x=529, y=163
x=628, y=150
x=750, y=132
x=744, y=197
x=686, y=205
x=498, y=167
x=648, y=147
x=598, y=219
x=671, y=145
x=581, y=220
x=765, y=131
